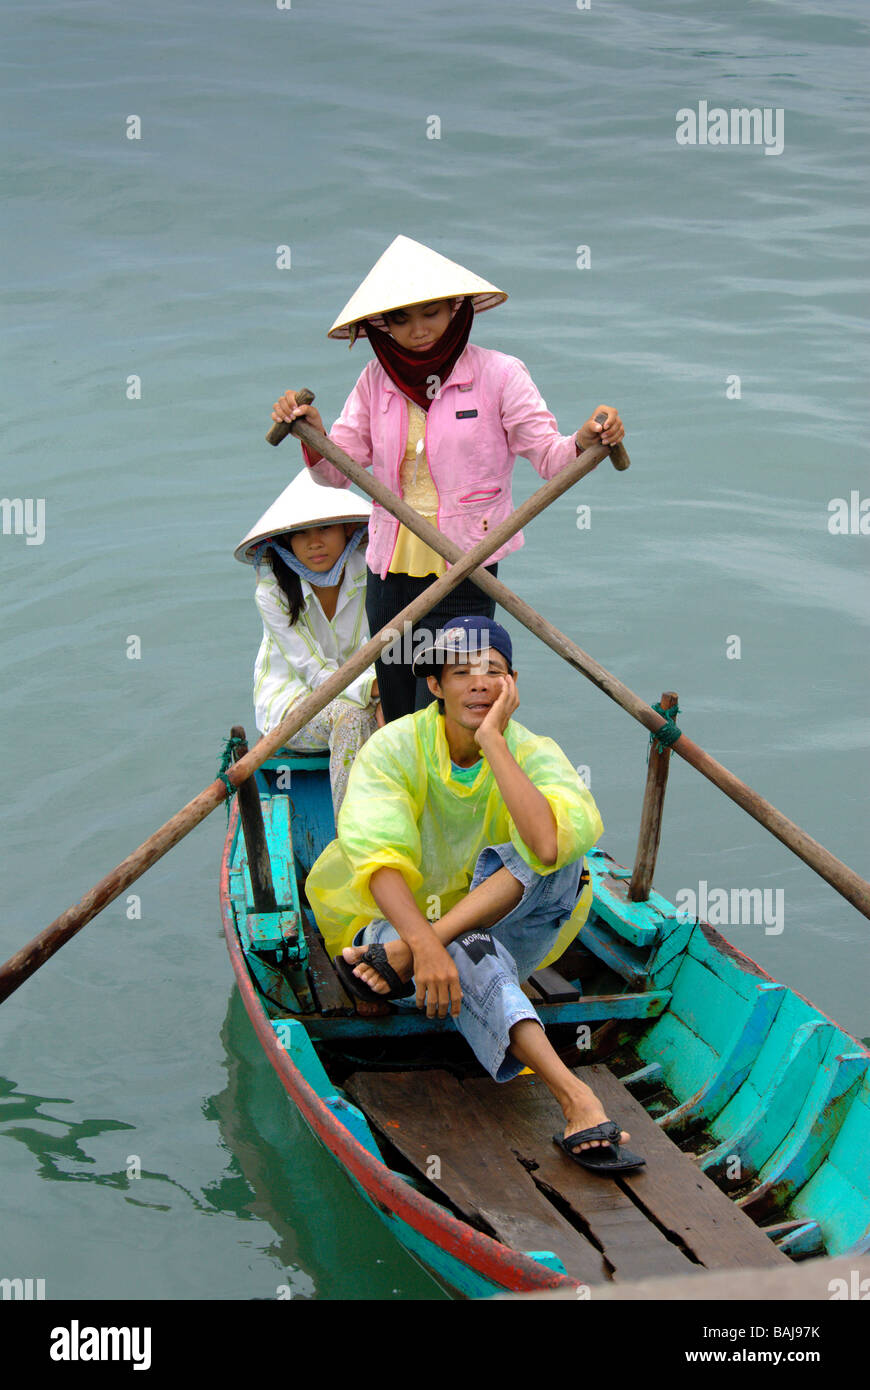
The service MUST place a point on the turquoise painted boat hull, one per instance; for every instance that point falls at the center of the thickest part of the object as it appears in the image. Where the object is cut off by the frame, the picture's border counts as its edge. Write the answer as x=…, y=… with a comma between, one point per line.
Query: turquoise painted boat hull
x=773, y=1095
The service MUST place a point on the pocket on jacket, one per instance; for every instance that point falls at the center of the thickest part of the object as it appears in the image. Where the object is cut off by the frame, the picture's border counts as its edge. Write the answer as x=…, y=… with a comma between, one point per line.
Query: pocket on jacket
x=479, y=495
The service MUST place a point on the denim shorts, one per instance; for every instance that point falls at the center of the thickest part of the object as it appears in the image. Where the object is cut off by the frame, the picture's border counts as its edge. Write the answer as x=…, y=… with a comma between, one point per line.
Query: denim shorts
x=493, y=961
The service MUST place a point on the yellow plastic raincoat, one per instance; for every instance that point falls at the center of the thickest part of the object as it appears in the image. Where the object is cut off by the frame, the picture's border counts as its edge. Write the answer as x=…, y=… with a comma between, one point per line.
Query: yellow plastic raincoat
x=403, y=810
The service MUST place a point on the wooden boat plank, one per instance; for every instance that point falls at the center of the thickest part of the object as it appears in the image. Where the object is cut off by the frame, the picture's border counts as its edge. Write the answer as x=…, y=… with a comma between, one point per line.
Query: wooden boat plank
x=457, y=1144
x=598, y=937
x=310, y=804
x=734, y=1065
x=329, y=992
x=638, y=923
x=589, y=1008
x=277, y=826
x=553, y=987
x=633, y=1245
x=831, y=1100
x=777, y=1110
x=665, y=961
x=677, y=1195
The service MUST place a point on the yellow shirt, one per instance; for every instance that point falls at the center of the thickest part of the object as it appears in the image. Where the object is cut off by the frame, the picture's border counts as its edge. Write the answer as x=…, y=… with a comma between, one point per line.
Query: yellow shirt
x=411, y=555
x=404, y=810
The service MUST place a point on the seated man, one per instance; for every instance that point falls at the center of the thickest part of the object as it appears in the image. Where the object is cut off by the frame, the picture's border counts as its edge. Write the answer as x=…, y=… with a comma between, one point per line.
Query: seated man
x=457, y=869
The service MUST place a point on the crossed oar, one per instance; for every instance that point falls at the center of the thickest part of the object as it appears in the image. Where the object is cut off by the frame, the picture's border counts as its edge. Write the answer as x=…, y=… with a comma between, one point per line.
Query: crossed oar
x=25, y=962
x=852, y=887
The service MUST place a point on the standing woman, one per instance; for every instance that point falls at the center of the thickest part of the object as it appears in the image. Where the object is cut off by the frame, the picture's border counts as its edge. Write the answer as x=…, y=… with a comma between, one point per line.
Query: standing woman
x=441, y=422
x=311, y=578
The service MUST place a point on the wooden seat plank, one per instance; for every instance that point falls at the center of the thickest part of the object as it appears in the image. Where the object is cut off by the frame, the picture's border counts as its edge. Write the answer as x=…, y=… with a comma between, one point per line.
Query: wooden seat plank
x=428, y=1116
x=329, y=992
x=633, y=1246
x=676, y=1194
x=553, y=987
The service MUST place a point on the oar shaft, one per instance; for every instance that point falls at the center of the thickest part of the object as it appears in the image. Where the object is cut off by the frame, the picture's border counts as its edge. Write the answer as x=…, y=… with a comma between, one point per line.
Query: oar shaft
x=848, y=883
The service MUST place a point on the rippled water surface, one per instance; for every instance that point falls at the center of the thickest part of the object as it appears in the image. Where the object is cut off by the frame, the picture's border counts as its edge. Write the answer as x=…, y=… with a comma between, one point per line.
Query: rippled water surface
x=307, y=128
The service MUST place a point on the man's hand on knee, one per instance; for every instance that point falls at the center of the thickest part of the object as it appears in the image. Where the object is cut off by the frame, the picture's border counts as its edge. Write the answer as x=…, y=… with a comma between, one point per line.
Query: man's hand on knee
x=437, y=980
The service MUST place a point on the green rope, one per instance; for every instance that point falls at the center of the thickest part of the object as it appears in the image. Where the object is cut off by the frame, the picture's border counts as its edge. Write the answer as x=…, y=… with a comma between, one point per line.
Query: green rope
x=226, y=759
x=667, y=735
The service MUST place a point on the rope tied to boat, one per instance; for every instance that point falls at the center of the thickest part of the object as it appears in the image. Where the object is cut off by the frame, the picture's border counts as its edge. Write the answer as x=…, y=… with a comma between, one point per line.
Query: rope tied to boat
x=667, y=735
x=226, y=759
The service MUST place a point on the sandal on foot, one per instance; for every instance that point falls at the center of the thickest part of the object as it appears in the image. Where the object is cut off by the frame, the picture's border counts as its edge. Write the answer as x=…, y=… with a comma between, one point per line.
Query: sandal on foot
x=608, y=1157
x=376, y=957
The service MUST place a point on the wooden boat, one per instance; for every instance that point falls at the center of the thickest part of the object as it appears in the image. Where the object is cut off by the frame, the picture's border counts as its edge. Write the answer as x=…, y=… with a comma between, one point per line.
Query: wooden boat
x=751, y=1107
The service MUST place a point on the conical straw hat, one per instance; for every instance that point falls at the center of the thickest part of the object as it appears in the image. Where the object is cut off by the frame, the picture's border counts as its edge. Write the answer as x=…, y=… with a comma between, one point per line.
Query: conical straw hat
x=410, y=273
x=304, y=503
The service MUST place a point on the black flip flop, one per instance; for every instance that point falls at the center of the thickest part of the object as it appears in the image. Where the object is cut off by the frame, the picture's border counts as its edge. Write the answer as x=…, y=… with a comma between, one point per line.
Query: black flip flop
x=376, y=957
x=608, y=1157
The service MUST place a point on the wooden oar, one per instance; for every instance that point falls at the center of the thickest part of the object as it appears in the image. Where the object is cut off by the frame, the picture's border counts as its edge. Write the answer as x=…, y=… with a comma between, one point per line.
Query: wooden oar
x=849, y=884
x=23, y=964
x=280, y=430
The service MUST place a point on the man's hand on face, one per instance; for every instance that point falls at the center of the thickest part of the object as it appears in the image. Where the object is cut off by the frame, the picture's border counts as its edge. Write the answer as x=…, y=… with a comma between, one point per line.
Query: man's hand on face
x=498, y=716
x=437, y=980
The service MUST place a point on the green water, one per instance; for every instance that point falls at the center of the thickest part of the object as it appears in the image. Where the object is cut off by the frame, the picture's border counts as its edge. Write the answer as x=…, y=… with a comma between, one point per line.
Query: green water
x=156, y=258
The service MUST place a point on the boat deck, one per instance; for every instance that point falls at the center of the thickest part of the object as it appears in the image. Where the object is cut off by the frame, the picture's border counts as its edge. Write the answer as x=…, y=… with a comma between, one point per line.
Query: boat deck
x=488, y=1150
x=773, y=1096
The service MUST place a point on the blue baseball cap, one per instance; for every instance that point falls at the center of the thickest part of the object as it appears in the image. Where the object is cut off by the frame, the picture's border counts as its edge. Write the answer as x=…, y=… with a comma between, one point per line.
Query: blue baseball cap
x=464, y=638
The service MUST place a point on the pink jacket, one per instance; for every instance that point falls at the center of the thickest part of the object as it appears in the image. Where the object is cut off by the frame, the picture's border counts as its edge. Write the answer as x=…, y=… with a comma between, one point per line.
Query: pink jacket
x=487, y=412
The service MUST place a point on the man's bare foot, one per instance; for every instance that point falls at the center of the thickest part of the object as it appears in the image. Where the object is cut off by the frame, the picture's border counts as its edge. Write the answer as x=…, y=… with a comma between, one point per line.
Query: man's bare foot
x=398, y=956
x=582, y=1110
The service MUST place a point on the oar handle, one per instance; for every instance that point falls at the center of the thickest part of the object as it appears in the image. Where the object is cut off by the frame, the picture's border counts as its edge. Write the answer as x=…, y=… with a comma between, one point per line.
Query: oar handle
x=618, y=454
x=280, y=430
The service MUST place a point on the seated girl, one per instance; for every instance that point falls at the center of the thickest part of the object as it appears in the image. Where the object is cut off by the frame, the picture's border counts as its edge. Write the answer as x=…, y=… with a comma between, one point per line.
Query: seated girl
x=311, y=580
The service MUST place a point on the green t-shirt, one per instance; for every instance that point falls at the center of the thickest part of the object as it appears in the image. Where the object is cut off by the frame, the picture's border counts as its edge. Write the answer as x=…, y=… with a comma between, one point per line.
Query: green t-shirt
x=464, y=774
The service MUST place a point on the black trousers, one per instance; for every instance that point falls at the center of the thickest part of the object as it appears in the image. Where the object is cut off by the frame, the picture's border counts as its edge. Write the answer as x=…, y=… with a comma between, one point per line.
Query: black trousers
x=401, y=691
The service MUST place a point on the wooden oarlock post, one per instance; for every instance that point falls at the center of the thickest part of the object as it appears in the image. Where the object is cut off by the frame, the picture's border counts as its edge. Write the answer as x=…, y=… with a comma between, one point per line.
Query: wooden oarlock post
x=251, y=815
x=651, y=815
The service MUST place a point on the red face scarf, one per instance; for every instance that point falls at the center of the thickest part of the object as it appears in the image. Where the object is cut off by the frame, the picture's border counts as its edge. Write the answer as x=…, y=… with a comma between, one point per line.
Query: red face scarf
x=411, y=370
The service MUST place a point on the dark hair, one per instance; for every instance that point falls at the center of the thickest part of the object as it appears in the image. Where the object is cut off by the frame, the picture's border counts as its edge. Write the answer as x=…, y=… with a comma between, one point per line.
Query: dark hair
x=288, y=580
x=451, y=299
x=430, y=669
x=439, y=678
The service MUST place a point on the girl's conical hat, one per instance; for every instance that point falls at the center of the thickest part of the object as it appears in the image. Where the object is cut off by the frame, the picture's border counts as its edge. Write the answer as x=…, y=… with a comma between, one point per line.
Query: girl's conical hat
x=304, y=503
x=410, y=273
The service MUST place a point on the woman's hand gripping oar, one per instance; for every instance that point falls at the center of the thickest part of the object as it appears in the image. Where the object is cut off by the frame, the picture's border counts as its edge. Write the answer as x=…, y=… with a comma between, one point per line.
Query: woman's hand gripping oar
x=305, y=399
